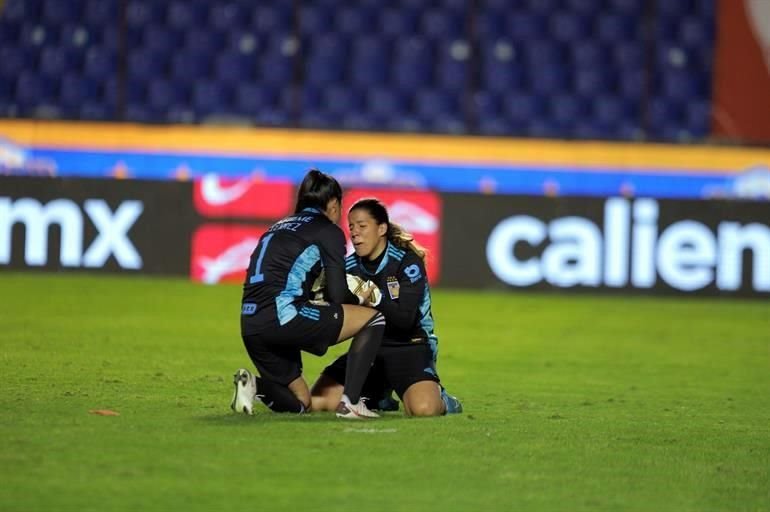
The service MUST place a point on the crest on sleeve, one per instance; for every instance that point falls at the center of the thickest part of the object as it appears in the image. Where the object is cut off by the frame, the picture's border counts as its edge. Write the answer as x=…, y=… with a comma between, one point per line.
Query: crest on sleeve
x=413, y=273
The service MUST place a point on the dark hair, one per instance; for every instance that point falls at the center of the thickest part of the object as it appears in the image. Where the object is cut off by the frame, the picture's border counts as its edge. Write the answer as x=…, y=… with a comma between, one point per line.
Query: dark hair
x=395, y=234
x=316, y=190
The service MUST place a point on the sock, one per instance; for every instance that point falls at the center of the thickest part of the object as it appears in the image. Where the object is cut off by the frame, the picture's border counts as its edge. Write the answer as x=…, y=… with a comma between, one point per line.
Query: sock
x=363, y=350
x=279, y=398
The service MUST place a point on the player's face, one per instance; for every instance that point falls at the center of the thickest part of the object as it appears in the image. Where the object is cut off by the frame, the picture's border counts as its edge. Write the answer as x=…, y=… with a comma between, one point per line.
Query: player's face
x=367, y=236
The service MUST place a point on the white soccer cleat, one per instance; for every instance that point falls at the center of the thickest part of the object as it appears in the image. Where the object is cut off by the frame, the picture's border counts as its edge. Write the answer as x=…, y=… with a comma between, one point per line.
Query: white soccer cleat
x=358, y=411
x=245, y=392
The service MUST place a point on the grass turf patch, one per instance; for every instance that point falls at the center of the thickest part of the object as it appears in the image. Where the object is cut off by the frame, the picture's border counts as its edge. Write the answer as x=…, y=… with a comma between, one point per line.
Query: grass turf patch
x=572, y=403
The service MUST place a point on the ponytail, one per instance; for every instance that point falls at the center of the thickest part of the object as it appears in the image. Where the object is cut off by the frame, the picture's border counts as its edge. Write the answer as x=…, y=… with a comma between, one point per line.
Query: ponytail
x=404, y=240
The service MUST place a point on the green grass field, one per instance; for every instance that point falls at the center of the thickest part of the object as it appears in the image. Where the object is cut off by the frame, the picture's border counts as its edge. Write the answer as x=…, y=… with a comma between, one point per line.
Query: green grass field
x=572, y=403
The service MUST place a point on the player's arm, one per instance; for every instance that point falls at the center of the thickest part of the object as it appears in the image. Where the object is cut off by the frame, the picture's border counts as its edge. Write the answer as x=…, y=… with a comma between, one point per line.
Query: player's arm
x=332, y=247
x=403, y=312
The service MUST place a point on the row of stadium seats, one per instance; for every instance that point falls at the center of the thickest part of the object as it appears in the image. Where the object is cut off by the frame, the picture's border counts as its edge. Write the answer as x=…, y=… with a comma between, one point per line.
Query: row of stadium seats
x=555, y=68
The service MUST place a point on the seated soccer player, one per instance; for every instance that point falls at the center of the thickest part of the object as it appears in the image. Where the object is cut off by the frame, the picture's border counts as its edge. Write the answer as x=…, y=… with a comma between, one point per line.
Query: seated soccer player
x=387, y=256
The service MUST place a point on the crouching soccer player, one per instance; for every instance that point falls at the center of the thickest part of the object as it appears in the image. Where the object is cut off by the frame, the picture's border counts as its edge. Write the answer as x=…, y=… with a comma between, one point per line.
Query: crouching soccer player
x=279, y=320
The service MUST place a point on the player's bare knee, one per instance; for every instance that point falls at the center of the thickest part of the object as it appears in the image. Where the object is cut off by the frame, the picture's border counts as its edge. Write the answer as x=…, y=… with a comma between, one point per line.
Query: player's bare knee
x=424, y=408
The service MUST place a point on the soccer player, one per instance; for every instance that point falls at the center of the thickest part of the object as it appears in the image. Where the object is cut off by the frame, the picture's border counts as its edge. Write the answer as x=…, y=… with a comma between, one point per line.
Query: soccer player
x=279, y=319
x=390, y=258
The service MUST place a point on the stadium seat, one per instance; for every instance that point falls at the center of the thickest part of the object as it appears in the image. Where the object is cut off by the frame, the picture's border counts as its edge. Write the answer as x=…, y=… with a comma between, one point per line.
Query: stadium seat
x=614, y=110
x=277, y=17
x=452, y=69
x=360, y=122
x=676, y=9
x=588, y=54
x=439, y=23
x=569, y=27
x=385, y=101
x=315, y=20
x=9, y=32
x=370, y=61
x=210, y=97
x=354, y=20
x=497, y=126
x=616, y=28
x=588, y=7
x=77, y=37
x=549, y=80
x=698, y=118
x=632, y=84
x=631, y=7
x=204, y=43
x=502, y=77
x=341, y=99
x=99, y=63
x=664, y=112
x=187, y=66
x=101, y=13
x=163, y=95
x=74, y=90
x=228, y=16
x=406, y=124
x=19, y=11
x=490, y=24
x=396, y=22
x=60, y=12
x=544, y=52
x=146, y=65
x=628, y=55
x=35, y=35
x=251, y=98
x=567, y=108
x=521, y=108
x=317, y=119
x=92, y=110
x=33, y=90
x=140, y=13
x=55, y=61
x=275, y=69
x=485, y=104
x=448, y=124
x=432, y=104
x=160, y=39
x=696, y=32
x=186, y=15
x=526, y=26
x=682, y=85
x=14, y=60
x=233, y=67
x=594, y=81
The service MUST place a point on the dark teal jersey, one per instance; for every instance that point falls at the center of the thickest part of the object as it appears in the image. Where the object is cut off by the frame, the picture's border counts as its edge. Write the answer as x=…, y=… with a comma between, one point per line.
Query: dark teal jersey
x=287, y=260
x=406, y=302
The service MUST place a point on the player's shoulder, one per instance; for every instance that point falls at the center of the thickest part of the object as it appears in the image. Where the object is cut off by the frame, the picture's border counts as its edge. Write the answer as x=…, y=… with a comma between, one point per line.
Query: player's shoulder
x=396, y=253
x=411, y=265
x=351, y=263
x=405, y=256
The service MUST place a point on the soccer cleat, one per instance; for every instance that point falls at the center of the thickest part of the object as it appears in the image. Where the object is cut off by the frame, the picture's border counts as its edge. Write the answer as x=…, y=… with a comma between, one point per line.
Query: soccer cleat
x=350, y=411
x=245, y=392
x=451, y=404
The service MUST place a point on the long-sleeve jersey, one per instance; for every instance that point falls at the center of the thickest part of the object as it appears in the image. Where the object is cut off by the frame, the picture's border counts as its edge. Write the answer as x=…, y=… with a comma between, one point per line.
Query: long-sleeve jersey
x=284, y=265
x=406, y=302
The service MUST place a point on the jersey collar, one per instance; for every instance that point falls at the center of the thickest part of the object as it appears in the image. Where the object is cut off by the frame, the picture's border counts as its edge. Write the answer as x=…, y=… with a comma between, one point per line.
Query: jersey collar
x=381, y=266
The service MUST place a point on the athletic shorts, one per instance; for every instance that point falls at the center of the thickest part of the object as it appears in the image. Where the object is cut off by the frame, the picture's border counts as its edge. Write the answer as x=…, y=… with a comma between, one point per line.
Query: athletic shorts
x=396, y=368
x=276, y=351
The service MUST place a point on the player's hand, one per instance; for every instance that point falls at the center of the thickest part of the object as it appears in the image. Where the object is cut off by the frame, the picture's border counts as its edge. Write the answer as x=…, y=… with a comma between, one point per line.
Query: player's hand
x=374, y=296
